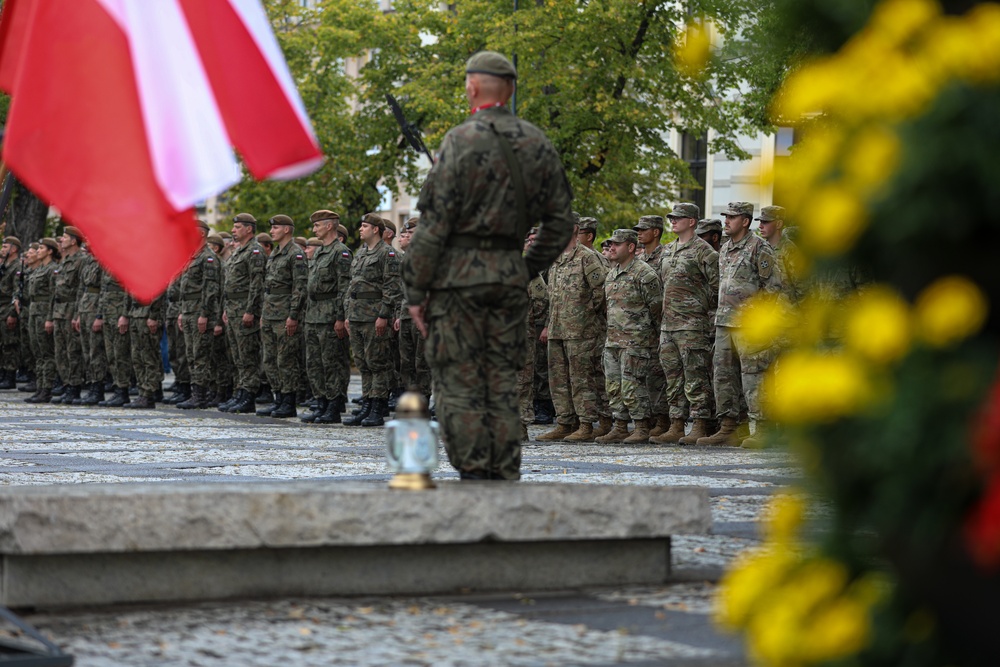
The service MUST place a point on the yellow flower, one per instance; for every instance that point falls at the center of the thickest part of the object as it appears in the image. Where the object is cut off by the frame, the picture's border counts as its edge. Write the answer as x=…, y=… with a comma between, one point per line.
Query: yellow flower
x=810, y=89
x=878, y=324
x=835, y=219
x=872, y=158
x=785, y=513
x=984, y=20
x=899, y=20
x=806, y=386
x=693, y=51
x=837, y=630
x=950, y=309
x=763, y=319
x=754, y=574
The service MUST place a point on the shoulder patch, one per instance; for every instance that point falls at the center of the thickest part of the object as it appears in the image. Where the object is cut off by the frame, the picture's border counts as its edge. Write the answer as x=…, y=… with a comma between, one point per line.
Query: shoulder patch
x=345, y=254
x=298, y=256
x=764, y=267
x=392, y=253
x=256, y=251
x=210, y=259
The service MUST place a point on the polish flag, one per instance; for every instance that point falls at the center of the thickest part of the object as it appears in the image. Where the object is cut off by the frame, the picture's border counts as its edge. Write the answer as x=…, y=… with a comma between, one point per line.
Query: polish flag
x=124, y=114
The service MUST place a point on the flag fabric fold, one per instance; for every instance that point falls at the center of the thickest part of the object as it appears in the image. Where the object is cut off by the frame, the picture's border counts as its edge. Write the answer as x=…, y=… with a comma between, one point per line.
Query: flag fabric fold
x=123, y=114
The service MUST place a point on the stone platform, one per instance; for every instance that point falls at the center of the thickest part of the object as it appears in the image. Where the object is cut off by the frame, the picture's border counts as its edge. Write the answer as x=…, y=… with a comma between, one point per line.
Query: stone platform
x=148, y=542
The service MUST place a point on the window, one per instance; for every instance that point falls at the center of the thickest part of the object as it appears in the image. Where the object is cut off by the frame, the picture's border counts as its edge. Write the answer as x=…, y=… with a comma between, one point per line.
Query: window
x=694, y=151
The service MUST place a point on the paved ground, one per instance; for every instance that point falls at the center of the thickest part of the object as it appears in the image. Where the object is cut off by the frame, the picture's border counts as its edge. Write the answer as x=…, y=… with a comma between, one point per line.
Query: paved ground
x=53, y=444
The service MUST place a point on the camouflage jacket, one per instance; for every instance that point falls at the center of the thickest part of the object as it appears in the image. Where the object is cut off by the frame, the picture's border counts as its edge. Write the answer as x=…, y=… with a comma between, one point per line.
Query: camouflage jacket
x=374, y=290
x=538, y=305
x=469, y=191
x=654, y=258
x=790, y=259
x=345, y=258
x=201, y=287
x=155, y=310
x=325, y=305
x=41, y=286
x=66, y=287
x=21, y=290
x=9, y=287
x=745, y=268
x=576, y=295
x=402, y=312
x=634, y=302
x=114, y=301
x=91, y=276
x=244, y=281
x=174, y=298
x=690, y=276
x=285, y=283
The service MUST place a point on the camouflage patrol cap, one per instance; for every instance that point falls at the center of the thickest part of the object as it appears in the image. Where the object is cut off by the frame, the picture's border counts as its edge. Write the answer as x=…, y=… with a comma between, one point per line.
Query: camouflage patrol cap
x=264, y=238
x=771, y=213
x=390, y=225
x=492, y=63
x=314, y=242
x=708, y=225
x=685, y=210
x=301, y=241
x=624, y=236
x=649, y=222
x=246, y=219
x=606, y=243
x=588, y=225
x=215, y=240
x=13, y=240
x=411, y=223
x=281, y=220
x=739, y=208
x=74, y=232
x=374, y=220
x=324, y=214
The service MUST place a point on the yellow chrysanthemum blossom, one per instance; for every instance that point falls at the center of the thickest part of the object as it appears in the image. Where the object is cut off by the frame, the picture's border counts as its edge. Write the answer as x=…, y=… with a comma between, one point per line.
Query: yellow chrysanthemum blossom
x=784, y=516
x=835, y=220
x=837, y=630
x=693, y=51
x=873, y=158
x=806, y=386
x=900, y=20
x=753, y=574
x=763, y=319
x=949, y=310
x=878, y=325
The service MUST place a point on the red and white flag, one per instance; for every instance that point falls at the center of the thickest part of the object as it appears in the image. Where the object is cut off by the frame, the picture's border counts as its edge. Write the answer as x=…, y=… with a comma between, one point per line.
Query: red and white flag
x=124, y=115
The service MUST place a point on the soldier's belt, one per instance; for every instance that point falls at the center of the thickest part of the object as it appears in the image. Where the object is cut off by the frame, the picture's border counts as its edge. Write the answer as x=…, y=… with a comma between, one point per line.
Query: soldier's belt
x=93, y=290
x=281, y=291
x=237, y=295
x=324, y=297
x=366, y=295
x=473, y=242
x=58, y=300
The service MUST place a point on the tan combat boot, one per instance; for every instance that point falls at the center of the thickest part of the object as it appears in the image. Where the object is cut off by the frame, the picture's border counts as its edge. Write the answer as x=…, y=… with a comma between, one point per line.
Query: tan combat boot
x=583, y=434
x=603, y=426
x=726, y=435
x=641, y=433
x=662, y=423
x=617, y=434
x=674, y=434
x=698, y=430
x=758, y=439
x=558, y=433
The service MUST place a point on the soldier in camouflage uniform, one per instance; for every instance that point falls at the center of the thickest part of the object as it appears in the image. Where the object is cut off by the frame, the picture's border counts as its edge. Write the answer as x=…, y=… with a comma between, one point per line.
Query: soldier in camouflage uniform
x=587, y=234
x=41, y=287
x=415, y=374
x=69, y=352
x=772, y=227
x=746, y=266
x=538, y=311
x=91, y=340
x=176, y=353
x=145, y=325
x=223, y=372
x=285, y=283
x=112, y=324
x=23, y=309
x=342, y=344
x=371, y=305
x=710, y=231
x=201, y=310
x=324, y=310
x=465, y=273
x=634, y=300
x=689, y=271
x=576, y=319
x=243, y=302
x=650, y=231
x=10, y=338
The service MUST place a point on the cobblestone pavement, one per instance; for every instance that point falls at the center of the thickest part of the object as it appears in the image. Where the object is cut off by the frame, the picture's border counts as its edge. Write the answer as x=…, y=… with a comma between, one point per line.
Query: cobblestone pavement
x=669, y=625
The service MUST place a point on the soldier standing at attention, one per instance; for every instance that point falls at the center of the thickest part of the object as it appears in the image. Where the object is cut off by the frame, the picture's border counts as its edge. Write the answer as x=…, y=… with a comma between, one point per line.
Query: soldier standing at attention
x=201, y=310
x=92, y=342
x=538, y=310
x=222, y=366
x=284, y=306
x=41, y=287
x=113, y=308
x=23, y=309
x=772, y=228
x=710, y=231
x=325, y=309
x=689, y=271
x=746, y=266
x=586, y=235
x=175, y=346
x=10, y=335
x=650, y=232
x=414, y=373
x=342, y=344
x=634, y=301
x=466, y=279
x=371, y=304
x=69, y=352
x=243, y=301
x=144, y=326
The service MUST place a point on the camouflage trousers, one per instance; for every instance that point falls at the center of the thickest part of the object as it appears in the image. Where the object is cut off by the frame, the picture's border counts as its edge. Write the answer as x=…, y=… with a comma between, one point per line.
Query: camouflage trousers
x=526, y=378
x=573, y=380
x=603, y=402
x=343, y=349
x=225, y=372
x=43, y=348
x=281, y=355
x=373, y=356
x=627, y=370
x=656, y=383
x=414, y=373
x=475, y=347
x=176, y=351
x=686, y=359
x=198, y=348
x=244, y=346
x=739, y=371
x=146, y=358
x=324, y=363
x=118, y=350
x=24, y=330
x=10, y=346
x=303, y=388
x=92, y=344
x=396, y=354
x=69, y=353
x=541, y=378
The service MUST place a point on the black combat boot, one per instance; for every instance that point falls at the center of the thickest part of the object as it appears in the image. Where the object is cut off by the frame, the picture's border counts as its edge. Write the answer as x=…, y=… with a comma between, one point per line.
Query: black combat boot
x=71, y=394
x=94, y=396
x=332, y=413
x=117, y=400
x=286, y=408
x=24, y=375
x=363, y=412
x=182, y=394
x=321, y=405
x=7, y=380
x=58, y=388
x=141, y=402
x=236, y=397
x=266, y=410
x=196, y=401
x=31, y=385
x=340, y=404
x=43, y=395
x=375, y=415
x=246, y=405
x=265, y=395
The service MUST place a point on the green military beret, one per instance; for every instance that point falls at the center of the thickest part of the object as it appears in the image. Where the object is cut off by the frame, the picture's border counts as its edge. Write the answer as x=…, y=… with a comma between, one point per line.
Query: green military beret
x=246, y=219
x=202, y=225
x=264, y=238
x=411, y=223
x=301, y=241
x=74, y=232
x=492, y=63
x=739, y=208
x=324, y=215
x=390, y=225
x=771, y=213
x=708, y=225
x=649, y=222
x=282, y=220
x=685, y=210
x=374, y=220
x=314, y=242
x=215, y=240
x=342, y=230
x=226, y=236
x=624, y=236
x=13, y=240
x=50, y=243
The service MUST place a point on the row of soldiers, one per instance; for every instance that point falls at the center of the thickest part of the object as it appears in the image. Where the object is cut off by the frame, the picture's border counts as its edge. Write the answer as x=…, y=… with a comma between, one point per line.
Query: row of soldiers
x=648, y=333
x=254, y=317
